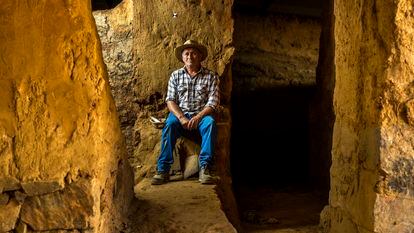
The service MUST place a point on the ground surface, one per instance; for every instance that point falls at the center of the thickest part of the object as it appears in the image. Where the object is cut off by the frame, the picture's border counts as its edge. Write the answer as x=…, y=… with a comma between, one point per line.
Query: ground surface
x=188, y=206
x=182, y=206
x=281, y=210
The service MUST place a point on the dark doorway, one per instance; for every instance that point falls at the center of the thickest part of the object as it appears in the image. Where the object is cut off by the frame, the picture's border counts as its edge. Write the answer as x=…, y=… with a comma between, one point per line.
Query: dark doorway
x=104, y=4
x=274, y=83
x=270, y=136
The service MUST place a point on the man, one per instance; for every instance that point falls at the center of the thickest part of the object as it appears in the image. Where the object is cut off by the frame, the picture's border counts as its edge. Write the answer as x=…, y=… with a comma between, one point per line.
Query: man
x=192, y=98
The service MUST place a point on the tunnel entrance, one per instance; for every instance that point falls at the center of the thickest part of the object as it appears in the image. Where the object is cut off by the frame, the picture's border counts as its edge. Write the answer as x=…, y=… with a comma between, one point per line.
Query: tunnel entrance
x=104, y=4
x=270, y=136
x=274, y=83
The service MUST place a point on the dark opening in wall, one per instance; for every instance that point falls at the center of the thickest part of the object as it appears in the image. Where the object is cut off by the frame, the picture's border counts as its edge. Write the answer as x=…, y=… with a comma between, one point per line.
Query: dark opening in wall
x=270, y=136
x=104, y=4
x=276, y=178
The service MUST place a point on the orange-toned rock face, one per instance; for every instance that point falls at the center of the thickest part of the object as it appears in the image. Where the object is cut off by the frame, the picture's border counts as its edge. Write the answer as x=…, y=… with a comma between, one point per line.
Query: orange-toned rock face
x=372, y=154
x=116, y=35
x=58, y=123
x=55, y=89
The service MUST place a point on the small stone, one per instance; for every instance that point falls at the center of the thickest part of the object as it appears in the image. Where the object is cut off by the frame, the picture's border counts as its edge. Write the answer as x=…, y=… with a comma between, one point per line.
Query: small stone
x=191, y=166
x=250, y=216
x=21, y=227
x=41, y=187
x=71, y=208
x=9, y=215
x=176, y=176
x=4, y=198
x=20, y=196
x=272, y=220
x=8, y=183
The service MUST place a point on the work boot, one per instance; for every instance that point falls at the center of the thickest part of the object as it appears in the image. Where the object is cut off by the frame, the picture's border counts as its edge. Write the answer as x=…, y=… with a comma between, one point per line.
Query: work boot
x=204, y=176
x=160, y=178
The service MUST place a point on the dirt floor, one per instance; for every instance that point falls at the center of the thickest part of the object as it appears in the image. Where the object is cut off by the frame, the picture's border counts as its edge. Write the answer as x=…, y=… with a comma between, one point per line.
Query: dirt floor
x=180, y=206
x=288, y=209
x=188, y=206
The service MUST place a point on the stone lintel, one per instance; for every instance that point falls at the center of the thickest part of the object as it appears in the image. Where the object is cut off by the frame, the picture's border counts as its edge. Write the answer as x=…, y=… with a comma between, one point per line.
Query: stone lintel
x=41, y=187
x=70, y=208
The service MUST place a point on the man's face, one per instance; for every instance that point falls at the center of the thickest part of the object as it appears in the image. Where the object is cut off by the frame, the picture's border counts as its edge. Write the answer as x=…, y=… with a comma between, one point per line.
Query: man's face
x=191, y=57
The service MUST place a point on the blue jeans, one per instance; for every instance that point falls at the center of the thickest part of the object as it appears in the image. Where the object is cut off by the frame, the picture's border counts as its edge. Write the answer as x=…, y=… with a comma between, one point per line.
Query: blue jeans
x=173, y=130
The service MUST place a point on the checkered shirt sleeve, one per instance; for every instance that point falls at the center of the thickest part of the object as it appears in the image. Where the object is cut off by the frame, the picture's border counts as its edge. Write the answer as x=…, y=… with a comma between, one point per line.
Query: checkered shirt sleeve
x=172, y=89
x=214, y=93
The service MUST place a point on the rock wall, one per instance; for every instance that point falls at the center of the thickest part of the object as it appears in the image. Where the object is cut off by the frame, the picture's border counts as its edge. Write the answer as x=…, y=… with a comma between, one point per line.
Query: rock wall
x=274, y=50
x=395, y=200
x=372, y=153
x=62, y=156
x=116, y=34
x=322, y=118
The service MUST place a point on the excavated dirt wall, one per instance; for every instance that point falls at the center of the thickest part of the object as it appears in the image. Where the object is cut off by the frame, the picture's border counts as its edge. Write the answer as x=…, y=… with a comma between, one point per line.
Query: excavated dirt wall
x=116, y=35
x=274, y=50
x=62, y=155
x=395, y=199
x=372, y=153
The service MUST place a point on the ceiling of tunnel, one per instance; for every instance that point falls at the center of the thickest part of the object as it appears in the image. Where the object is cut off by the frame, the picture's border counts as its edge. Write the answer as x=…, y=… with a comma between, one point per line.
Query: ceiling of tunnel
x=311, y=8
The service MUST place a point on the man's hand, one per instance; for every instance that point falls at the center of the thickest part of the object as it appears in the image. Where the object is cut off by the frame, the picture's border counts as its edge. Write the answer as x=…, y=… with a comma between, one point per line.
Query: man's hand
x=184, y=121
x=193, y=123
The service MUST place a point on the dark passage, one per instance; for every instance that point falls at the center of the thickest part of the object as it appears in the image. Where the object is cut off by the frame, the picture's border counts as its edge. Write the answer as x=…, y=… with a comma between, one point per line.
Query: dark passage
x=270, y=159
x=278, y=180
x=270, y=136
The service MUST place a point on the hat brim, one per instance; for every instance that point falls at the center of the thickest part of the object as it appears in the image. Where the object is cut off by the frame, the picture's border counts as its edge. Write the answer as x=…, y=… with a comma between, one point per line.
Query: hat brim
x=179, y=51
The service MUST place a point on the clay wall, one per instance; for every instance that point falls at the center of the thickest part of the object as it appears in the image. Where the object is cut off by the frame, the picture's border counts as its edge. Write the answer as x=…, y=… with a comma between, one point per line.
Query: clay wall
x=371, y=173
x=62, y=153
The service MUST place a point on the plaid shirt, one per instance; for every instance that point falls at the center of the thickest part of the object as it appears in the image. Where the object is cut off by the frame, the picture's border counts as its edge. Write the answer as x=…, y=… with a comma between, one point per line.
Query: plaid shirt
x=193, y=94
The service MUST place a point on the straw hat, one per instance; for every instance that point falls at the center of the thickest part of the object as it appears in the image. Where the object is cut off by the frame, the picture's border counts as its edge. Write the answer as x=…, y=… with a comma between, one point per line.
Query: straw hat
x=191, y=44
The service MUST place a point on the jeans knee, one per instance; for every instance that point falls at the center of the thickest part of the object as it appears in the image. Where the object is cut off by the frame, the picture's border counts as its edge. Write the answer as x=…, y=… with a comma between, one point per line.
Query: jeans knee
x=172, y=123
x=209, y=120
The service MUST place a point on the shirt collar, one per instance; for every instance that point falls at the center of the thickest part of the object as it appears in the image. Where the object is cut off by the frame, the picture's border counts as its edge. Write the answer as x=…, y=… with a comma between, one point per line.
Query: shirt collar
x=198, y=72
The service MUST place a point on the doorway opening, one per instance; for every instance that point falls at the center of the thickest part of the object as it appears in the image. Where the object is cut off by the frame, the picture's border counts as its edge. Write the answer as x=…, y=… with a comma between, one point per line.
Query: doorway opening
x=104, y=4
x=275, y=176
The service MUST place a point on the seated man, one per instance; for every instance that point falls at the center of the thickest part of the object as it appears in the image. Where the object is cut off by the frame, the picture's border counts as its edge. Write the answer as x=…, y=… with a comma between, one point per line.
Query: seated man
x=192, y=97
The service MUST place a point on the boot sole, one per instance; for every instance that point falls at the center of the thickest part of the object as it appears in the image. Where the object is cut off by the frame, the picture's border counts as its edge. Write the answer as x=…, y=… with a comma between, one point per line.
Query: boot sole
x=206, y=181
x=158, y=182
